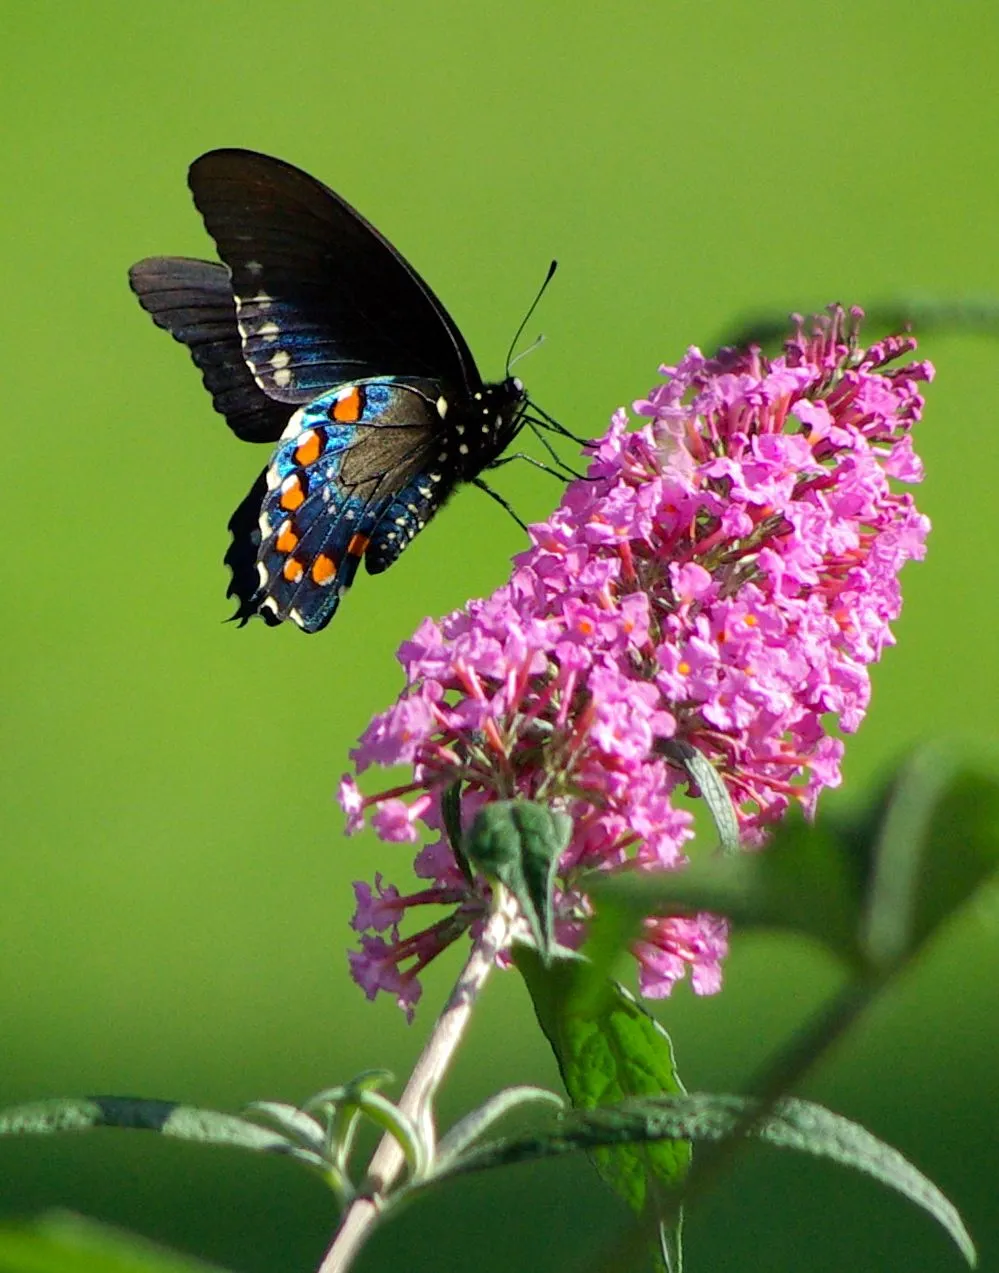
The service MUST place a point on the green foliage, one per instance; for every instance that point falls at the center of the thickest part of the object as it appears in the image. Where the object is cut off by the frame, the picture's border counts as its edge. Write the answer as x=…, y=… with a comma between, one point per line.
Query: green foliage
x=609, y=1049
x=642, y=1124
x=874, y=890
x=63, y=1243
x=518, y=843
x=181, y=1122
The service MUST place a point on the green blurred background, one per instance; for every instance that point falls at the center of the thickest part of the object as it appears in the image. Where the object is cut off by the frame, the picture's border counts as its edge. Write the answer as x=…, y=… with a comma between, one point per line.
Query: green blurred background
x=175, y=883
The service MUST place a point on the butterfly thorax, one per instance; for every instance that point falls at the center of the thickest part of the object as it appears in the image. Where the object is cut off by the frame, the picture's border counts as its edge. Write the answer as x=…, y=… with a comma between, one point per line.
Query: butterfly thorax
x=481, y=426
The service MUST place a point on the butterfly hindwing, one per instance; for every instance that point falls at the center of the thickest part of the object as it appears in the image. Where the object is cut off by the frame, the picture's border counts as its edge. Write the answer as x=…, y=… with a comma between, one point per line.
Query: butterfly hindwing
x=326, y=495
x=322, y=298
x=193, y=301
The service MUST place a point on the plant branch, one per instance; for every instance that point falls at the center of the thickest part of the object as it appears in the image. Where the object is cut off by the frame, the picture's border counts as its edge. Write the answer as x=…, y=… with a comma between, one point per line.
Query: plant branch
x=418, y=1099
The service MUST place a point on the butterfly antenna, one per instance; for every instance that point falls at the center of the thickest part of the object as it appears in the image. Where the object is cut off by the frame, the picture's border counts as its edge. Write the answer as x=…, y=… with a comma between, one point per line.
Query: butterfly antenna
x=534, y=305
x=524, y=352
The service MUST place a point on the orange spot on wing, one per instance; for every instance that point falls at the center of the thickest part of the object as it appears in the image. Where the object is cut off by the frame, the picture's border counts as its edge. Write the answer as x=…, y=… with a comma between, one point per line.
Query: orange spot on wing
x=309, y=448
x=323, y=569
x=292, y=570
x=357, y=545
x=287, y=540
x=347, y=408
x=292, y=493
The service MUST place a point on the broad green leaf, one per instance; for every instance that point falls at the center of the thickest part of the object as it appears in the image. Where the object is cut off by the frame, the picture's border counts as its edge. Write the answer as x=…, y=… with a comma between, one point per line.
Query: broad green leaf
x=64, y=1243
x=791, y=1124
x=519, y=843
x=609, y=1048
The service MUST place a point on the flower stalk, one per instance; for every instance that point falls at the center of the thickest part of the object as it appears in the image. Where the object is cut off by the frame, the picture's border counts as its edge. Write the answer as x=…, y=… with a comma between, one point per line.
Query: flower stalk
x=417, y=1101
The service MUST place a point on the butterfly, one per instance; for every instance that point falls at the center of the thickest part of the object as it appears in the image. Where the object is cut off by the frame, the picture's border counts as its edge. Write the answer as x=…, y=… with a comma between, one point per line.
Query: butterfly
x=316, y=334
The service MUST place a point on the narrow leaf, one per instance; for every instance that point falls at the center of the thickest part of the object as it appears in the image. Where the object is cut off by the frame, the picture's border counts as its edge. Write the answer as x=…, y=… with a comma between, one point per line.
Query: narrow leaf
x=791, y=1124
x=451, y=815
x=709, y=782
x=182, y=1122
x=293, y=1123
x=473, y=1125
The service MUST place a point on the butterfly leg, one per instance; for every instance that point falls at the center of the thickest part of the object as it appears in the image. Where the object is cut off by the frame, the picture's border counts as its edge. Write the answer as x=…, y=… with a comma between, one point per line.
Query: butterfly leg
x=477, y=481
x=551, y=423
x=552, y=452
x=529, y=459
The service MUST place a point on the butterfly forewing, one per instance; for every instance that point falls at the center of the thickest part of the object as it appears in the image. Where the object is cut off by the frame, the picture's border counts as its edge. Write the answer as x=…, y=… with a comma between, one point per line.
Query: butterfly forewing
x=321, y=297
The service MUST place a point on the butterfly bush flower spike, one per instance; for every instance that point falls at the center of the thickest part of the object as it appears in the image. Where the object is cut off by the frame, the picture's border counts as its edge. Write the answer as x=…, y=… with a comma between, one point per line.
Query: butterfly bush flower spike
x=723, y=577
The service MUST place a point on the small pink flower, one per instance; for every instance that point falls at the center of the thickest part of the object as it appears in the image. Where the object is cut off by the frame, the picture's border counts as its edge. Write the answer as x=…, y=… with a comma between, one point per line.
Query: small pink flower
x=377, y=908
x=352, y=803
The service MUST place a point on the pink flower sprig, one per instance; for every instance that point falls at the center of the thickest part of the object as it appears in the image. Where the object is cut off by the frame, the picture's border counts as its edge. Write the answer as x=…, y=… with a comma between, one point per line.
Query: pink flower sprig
x=723, y=576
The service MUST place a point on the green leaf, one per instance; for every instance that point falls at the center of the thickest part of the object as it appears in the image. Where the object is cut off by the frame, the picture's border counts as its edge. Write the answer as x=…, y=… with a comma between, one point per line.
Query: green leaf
x=709, y=782
x=609, y=1048
x=937, y=845
x=64, y=1243
x=182, y=1122
x=294, y=1124
x=475, y=1124
x=791, y=1124
x=873, y=890
x=805, y=881
x=451, y=815
x=519, y=843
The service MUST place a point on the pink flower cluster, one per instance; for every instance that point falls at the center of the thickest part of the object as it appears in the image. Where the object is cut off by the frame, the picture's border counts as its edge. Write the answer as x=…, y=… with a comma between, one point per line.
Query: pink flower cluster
x=722, y=577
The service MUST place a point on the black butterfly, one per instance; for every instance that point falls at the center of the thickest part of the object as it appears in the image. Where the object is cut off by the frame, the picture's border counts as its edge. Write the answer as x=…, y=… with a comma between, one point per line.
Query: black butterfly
x=315, y=333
